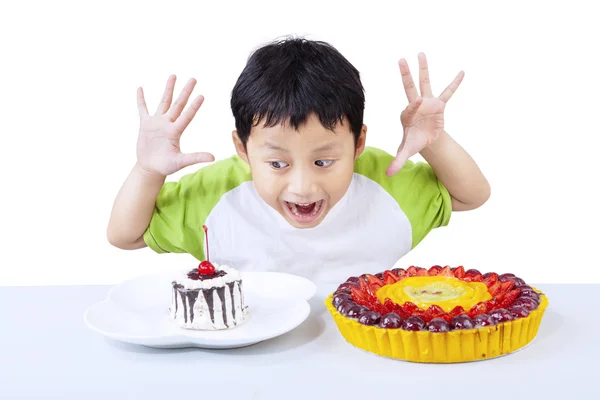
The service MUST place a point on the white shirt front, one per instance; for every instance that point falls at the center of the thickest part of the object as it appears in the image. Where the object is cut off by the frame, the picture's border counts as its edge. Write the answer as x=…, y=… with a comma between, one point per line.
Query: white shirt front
x=365, y=232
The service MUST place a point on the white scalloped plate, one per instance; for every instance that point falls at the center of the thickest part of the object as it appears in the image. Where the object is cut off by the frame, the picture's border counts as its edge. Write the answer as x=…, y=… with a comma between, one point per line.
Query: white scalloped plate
x=136, y=311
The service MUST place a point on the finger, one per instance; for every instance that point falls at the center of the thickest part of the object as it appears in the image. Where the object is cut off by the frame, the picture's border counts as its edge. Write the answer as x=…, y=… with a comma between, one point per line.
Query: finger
x=184, y=120
x=398, y=162
x=182, y=100
x=185, y=160
x=407, y=81
x=167, y=98
x=141, y=102
x=424, y=82
x=449, y=91
x=412, y=108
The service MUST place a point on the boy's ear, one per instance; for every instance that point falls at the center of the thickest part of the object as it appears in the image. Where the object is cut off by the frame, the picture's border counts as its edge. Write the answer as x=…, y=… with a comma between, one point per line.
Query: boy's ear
x=239, y=146
x=360, y=142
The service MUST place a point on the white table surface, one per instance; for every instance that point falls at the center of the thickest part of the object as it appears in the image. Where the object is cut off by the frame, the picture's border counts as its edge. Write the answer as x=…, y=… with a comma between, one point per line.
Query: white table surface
x=47, y=352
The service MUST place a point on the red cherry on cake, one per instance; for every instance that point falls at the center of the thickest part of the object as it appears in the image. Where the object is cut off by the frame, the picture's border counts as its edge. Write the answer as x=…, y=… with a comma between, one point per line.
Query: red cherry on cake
x=344, y=306
x=206, y=268
x=369, y=318
x=438, y=325
x=461, y=322
x=518, y=311
x=355, y=311
x=391, y=320
x=518, y=281
x=527, y=303
x=338, y=298
x=505, y=277
x=482, y=320
x=501, y=315
x=413, y=324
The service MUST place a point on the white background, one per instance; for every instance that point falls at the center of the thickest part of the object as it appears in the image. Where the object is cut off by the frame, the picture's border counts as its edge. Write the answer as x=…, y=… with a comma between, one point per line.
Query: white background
x=527, y=111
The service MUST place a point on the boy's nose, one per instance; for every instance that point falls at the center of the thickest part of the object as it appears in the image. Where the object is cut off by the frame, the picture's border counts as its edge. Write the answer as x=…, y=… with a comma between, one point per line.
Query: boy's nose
x=302, y=185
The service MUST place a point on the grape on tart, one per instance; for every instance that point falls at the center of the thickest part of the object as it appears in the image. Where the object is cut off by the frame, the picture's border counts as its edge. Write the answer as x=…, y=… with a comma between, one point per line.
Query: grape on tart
x=209, y=297
x=437, y=315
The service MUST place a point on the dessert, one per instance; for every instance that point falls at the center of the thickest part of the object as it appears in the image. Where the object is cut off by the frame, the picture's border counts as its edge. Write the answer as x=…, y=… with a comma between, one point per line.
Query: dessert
x=209, y=297
x=438, y=315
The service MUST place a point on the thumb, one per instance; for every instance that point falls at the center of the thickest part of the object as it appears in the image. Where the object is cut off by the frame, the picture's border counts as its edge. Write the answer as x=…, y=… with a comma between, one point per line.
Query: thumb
x=185, y=160
x=398, y=161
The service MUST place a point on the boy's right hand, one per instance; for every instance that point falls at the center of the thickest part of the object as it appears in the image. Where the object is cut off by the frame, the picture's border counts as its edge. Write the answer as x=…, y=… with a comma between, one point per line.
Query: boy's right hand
x=158, y=151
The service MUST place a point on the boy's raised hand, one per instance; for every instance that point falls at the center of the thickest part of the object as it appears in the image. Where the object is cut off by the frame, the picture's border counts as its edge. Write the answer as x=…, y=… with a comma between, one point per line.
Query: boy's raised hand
x=158, y=150
x=423, y=118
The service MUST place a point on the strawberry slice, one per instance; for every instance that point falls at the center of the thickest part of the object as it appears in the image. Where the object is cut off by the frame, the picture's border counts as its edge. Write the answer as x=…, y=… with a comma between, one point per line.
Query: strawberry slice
x=434, y=311
x=409, y=307
x=479, y=308
x=446, y=271
x=422, y=272
x=435, y=270
x=456, y=311
x=363, y=284
x=373, y=279
x=359, y=296
x=509, y=298
x=422, y=314
x=507, y=285
x=380, y=308
x=402, y=273
x=459, y=272
x=374, y=287
x=490, y=279
x=373, y=284
x=494, y=289
x=475, y=277
x=412, y=270
x=400, y=311
x=389, y=278
x=389, y=306
x=492, y=304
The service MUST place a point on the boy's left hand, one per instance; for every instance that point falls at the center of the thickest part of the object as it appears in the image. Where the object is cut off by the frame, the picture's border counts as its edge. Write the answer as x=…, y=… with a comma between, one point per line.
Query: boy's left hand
x=423, y=118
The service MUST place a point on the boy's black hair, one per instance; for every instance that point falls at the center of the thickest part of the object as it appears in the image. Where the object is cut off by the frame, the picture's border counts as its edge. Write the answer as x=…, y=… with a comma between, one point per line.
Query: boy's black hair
x=285, y=81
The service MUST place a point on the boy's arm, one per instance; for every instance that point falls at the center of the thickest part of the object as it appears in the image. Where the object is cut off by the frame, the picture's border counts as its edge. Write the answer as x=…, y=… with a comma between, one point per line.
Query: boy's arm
x=133, y=208
x=158, y=155
x=423, y=123
x=458, y=172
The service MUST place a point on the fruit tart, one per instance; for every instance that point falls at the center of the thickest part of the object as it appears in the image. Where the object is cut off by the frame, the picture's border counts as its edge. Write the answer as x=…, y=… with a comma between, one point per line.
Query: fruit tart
x=209, y=297
x=437, y=315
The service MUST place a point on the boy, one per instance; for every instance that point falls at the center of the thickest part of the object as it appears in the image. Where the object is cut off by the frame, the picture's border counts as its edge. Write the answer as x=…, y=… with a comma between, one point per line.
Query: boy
x=303, y=195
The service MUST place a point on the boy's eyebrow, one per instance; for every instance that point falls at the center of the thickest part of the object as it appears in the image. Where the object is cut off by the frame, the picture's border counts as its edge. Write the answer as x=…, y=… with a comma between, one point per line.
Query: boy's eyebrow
x=326, y=147
x=275, y=147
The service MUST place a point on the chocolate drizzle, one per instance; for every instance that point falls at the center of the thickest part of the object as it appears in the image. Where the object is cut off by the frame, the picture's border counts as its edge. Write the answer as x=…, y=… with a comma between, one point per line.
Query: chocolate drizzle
x=184, y=306
x=208, y=296
x=190, y=296
x=231, y=285
x=175, y=297
x=221, y=293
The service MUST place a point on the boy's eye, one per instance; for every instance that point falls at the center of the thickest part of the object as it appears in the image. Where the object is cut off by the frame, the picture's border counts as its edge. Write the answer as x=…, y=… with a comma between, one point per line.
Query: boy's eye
x=278, y=164
x=323, y=163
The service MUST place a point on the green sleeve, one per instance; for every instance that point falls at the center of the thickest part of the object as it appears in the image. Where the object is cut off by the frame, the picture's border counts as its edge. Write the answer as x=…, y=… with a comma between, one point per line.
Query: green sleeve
x=182, y=207
x=419, y=193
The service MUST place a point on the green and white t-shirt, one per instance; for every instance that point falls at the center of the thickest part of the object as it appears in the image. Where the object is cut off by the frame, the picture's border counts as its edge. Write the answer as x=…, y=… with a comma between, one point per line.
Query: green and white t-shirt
x=376, y=222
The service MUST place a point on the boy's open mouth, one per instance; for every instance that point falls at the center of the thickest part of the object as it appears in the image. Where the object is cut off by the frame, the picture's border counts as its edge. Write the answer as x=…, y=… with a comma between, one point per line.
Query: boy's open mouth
x=304, y=212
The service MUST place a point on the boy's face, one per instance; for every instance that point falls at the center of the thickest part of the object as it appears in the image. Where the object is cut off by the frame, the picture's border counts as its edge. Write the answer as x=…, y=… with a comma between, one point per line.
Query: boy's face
x=301, y=174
